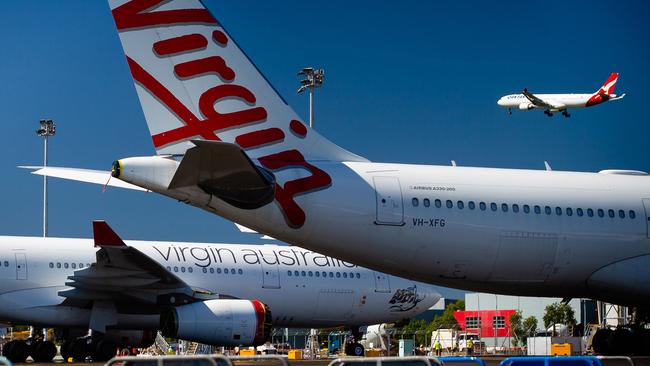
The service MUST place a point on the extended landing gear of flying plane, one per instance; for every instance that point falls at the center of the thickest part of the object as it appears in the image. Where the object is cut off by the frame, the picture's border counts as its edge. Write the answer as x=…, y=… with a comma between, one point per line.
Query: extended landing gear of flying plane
x=548, y=113
x=566, y=114
x=509, y=111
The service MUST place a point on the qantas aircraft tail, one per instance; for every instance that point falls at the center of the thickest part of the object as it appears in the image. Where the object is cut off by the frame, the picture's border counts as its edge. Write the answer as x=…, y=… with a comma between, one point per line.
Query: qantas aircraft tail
x=195, y=83
x=608, y=86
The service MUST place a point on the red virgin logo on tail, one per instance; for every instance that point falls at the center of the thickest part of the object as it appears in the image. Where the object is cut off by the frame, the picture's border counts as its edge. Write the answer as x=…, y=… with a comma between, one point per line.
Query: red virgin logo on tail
x=141, y=14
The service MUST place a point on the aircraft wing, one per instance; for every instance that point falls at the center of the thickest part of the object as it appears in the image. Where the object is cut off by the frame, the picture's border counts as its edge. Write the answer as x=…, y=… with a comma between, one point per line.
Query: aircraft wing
x=535, y=100
x=124, y=274
x=82, y=175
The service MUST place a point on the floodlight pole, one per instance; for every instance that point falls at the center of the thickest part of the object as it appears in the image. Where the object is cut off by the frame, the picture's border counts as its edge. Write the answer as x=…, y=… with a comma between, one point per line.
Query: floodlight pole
x=47, y=129
x=313, y=79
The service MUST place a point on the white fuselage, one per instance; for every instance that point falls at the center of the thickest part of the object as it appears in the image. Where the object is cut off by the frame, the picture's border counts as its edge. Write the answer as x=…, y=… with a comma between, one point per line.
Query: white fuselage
x=519, y=101
x=560, y=247
x=302, y=288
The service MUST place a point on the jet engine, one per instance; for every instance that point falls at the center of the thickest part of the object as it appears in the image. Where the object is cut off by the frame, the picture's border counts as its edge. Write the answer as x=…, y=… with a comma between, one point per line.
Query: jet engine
x=526, y=106
x=223, y=322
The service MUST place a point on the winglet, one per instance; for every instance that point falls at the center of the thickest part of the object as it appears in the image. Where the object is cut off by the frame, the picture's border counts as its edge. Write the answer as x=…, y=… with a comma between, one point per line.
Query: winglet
x=105, y=236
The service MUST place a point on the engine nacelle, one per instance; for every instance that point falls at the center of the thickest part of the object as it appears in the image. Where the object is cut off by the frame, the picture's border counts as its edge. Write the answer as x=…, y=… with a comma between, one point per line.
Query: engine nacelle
x=221, y=322
x=526, y=106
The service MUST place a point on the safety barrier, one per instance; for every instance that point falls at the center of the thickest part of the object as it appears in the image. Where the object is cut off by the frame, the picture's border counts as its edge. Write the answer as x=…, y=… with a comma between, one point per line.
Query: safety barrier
x=282, y=359
x=616, y=361
x=193, y=360
x=463, y=360
x=552, y=361
x=387, y=361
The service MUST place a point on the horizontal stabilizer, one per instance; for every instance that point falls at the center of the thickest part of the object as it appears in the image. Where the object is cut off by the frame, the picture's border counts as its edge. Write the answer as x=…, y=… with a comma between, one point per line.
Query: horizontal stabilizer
x=224, y=170
x=82, y=175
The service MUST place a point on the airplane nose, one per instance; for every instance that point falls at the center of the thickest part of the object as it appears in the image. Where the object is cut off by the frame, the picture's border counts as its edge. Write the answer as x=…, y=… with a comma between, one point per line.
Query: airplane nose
x=501, y=102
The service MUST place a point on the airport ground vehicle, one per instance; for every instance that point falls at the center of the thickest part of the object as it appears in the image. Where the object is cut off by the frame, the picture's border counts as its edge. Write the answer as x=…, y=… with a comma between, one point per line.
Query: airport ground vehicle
x=453, y=340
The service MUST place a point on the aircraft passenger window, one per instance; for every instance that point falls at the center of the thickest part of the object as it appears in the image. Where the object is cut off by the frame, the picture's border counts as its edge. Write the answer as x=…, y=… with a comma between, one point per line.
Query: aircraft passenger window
x=579, y=212
x=338, y=274
x=601, y=213
x=240, y=271
x=590, y=212
x=345, y=275
x=324, y=274
x=547, y=210
x=51, y=265
x=296, y=273
x=450, y=204
x=426, y=202
x=538, y=209
x=175, y=269
x=569, y=211
x=621, y=214
x=471, y=205
x=205, y=270
x=190, y=269
x=358, y=275
x=460, y=205
x=303, y=273
x=415, y=202
x=632, y=214
x=183, y=269
x=515, y=208
x=65, y=265
x=482, y=206
x=74, y=265
x=317, y=274
x=438, y=203
x=289, y=273
x=218, y=270
x=232, y=271
x=351, y=275
x=331, y=274
x=81, y=265
x=310, y=273
x=211, y=270
x=611, y=213
x=504, y=207
x=558, y=211
x=493, y=206
x=58, y=264
x=526, y=209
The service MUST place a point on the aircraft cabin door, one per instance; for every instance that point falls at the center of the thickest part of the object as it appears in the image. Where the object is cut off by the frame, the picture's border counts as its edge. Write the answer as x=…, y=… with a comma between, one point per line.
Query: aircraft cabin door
x=390, y=210
x=382, y=283
x=21, y=266
x=646, y=205
x=270, y=272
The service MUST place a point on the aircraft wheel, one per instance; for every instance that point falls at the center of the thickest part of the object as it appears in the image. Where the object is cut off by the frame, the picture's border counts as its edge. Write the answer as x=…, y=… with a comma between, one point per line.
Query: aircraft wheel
x=6, y=350
x=105, y=350
x=79, y=350
x=16, y=351
x=64, y=350
x=621, y=342
x=44, y=351
x=599, y=342
x=354, y=349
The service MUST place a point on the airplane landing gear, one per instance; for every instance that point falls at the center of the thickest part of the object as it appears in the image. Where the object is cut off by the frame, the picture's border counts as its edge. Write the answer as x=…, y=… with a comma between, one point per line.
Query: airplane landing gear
x=16, y=351
x=510, y=111
x=548, y=113
x=566, y=114
x=352, y=347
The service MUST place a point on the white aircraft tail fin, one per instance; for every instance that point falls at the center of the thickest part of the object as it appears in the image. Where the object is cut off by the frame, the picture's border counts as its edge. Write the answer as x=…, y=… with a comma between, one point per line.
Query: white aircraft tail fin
x=608, y=86
x=194, y=82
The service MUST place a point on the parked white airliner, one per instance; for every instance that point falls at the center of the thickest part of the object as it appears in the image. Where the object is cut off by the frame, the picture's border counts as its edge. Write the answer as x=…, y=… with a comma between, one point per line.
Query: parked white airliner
x=561, y=102
x=222, y=294
x=229, y=144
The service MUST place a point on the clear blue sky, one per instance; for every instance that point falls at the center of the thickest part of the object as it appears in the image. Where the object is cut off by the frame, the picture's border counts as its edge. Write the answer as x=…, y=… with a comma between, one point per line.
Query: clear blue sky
x=407, y=81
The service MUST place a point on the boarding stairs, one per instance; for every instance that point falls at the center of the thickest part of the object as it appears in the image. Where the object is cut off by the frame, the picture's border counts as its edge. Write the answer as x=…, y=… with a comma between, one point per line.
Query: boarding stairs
x=191, y=348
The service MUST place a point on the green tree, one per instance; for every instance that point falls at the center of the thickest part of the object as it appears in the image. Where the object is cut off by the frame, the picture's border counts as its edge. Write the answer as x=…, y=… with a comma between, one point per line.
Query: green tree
x=447, y=320
x=522, y=329
x=415, y=329
x=558, y=313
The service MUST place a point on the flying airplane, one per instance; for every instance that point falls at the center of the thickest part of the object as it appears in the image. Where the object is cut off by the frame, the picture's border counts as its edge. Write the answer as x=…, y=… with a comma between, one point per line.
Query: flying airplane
x=226, y=142
x=223, y=294
x=561, y=102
